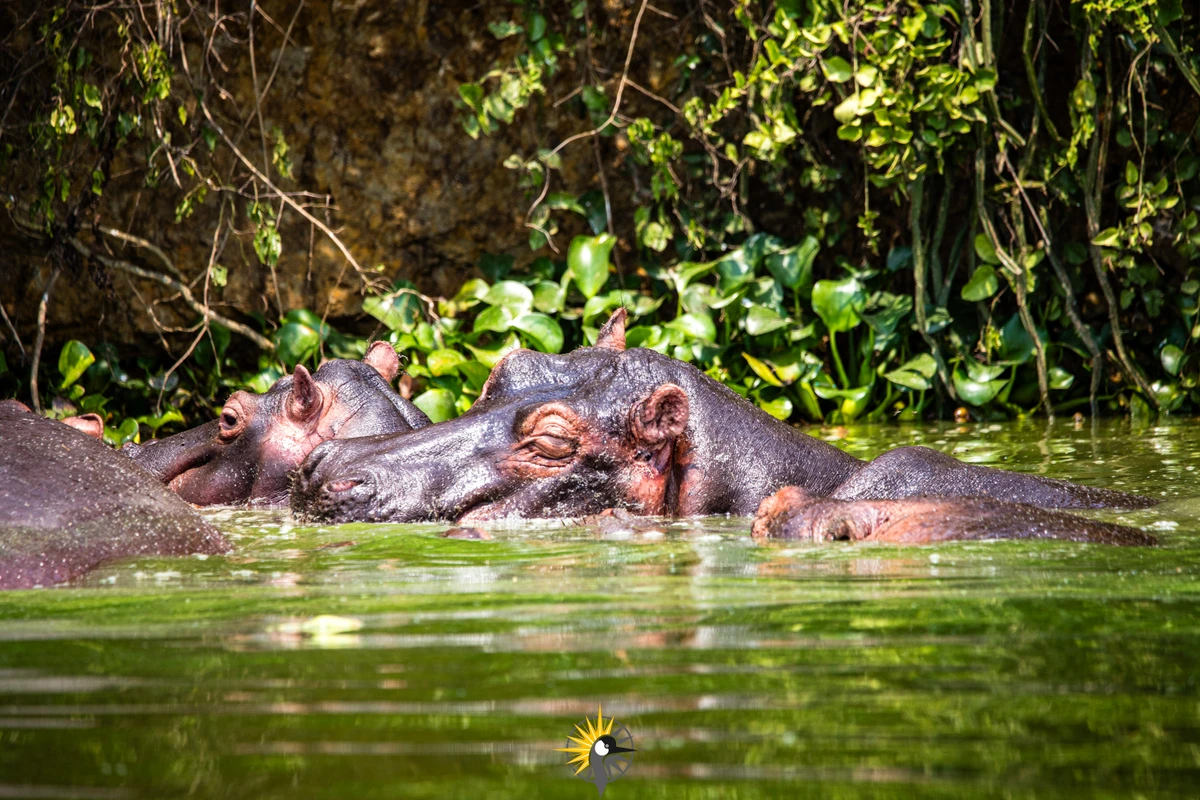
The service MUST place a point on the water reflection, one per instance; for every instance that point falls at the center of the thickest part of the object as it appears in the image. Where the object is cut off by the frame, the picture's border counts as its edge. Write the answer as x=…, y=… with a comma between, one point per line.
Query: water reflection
x=390, y=661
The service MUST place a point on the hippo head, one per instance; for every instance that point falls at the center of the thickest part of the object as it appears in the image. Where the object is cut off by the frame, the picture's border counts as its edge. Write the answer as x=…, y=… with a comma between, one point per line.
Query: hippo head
x=245, y=455
x=550, y=436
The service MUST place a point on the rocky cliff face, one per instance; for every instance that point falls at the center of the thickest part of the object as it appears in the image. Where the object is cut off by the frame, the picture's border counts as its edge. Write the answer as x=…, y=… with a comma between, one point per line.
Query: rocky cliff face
x=364, y=93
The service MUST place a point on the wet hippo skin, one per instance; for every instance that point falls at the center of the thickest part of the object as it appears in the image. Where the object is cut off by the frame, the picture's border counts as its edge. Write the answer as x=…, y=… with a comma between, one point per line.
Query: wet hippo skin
x=606, y=427
x=245, y=456
x=794, y=514
x=69, y=502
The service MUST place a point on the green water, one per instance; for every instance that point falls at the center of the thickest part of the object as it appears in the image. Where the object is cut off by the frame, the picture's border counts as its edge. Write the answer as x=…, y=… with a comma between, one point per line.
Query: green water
x=409, y=665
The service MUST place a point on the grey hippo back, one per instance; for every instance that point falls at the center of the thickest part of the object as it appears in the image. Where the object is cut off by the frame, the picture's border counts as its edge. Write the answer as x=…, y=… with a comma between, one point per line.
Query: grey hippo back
x=69, y=502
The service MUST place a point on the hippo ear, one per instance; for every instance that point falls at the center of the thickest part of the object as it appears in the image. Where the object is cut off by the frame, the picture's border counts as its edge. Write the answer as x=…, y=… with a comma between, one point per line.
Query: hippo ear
x=382, y=356
x=661, y=417
x=612, y=335
x=91, y=424
x=306, y=398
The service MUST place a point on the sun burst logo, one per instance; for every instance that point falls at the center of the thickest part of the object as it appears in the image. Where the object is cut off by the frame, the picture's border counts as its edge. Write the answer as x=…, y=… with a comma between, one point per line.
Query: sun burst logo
x=600, y=750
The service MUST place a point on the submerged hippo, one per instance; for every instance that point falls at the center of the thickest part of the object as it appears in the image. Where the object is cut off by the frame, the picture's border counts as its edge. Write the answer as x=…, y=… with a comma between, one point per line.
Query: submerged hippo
x=245, y=455
x=69, y=502
x=792, y=513
x=605, y=427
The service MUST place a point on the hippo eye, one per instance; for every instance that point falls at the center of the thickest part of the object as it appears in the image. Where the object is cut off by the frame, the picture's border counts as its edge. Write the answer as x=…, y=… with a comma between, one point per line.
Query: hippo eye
x=229, y=423
x=554, y=446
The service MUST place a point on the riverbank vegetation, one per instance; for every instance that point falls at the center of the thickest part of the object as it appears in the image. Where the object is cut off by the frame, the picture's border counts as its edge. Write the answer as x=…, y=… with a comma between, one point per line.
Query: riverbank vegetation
x=859, y=211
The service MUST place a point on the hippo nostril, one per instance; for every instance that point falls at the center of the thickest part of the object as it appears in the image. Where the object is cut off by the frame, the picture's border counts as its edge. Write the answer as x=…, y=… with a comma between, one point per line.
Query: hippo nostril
x=342, y=485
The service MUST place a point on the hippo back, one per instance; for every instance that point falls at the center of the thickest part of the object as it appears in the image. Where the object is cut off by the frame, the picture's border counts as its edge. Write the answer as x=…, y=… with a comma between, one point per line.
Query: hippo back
x=69, y=502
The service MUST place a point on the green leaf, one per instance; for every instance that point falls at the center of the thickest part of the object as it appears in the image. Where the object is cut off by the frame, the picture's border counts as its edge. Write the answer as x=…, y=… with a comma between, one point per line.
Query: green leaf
x=91, y=96
x=779, y=408
x=496, y=318
x=490, y=355
x=545, y=333
x=734, y=270
x=976, y=393
x=73, y=361
x=760, y=320
x=1016, y=345
x=762, y=370
x=472, y=95
x=793, y=267
x=1172, y=359
x=1109, y=237
x=295, y=342
x=124, y=433
x=983, y=284
x=443, y=361
x=985, y=250
x=516, y=297
x=549, y=297
x=839, y=303
x=983, y=372
x=155, y=422
x=1060, y=379
x=697, y=326
x=564, y=201
x=399, y=312
x=267, y=244
x=438, y=404
x=502, y=30
x=837, y=69
x=587, y=258
x=1131, y=173
x=846, y=110
x=909, y=379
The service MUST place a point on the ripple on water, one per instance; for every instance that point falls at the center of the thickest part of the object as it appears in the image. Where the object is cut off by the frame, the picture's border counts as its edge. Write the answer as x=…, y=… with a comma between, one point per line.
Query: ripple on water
x=359, y=660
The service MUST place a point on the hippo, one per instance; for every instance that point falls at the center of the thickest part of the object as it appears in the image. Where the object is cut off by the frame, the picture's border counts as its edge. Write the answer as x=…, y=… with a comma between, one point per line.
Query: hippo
x=69, y=502
x=91, y=424
x=245, y=455
x=794, y=514
x=608, y=427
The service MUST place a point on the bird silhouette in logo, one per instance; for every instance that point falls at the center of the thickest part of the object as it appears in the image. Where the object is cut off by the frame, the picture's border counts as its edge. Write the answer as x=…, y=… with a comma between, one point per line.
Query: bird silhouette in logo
x=599, y=750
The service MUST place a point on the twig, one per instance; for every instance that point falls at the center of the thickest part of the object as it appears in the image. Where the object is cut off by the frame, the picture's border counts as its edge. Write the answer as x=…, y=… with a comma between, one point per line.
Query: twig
x=917, y=190
x=184, y=292
x=1180, y=62
x=1093, y=190
x=144, y=244
x=620, y=87
x=289, y=201
x=37, y=342
x=1031, y=74
x=11, y=327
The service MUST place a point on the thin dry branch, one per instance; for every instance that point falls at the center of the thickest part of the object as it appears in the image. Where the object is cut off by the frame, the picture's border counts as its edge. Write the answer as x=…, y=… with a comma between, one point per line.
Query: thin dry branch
x=184, y=292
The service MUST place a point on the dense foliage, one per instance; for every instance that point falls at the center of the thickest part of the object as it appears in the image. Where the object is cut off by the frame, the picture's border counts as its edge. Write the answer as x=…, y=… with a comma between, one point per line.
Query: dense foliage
x=842, y=211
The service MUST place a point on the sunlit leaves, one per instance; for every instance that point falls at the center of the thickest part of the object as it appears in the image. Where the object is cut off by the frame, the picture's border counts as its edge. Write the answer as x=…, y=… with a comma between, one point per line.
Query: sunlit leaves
x=839, y=303
x=587, y=259
x=73, y=361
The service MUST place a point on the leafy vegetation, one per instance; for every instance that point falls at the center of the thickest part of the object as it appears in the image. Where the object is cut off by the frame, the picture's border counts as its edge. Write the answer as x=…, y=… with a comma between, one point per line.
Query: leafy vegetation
x=852, y=211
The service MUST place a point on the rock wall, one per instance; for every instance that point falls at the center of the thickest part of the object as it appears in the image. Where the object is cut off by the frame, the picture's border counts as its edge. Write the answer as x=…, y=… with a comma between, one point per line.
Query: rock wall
x=365, y=94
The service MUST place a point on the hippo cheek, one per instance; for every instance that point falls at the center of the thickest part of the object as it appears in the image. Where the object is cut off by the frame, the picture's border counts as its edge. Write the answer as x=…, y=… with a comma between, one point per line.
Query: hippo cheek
x=213, y=484
x=280, y=457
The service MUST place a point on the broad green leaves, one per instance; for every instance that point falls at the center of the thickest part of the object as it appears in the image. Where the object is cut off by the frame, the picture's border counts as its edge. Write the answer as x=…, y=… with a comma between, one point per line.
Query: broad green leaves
x=983, y=284
x=587, y=259
x=73, y=361
x=839, y=303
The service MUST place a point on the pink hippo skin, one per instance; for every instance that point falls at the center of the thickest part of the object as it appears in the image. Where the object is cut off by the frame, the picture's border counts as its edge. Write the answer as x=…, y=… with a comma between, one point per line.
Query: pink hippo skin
x=247, y=454
x=794, y=514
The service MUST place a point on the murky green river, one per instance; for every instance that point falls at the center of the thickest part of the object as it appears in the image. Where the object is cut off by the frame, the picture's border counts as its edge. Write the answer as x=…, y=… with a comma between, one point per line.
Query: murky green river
x=386, y=661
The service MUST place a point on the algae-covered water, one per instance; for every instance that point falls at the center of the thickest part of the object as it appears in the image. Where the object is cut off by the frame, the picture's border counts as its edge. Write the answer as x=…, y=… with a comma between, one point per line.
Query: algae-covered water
x=386, y=661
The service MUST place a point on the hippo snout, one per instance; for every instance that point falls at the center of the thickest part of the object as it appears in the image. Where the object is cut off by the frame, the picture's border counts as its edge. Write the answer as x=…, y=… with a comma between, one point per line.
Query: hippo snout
x=320, y=492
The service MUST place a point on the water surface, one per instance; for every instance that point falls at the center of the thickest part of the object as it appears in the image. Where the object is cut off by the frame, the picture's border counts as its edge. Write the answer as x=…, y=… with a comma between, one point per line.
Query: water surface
x=362, y=661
